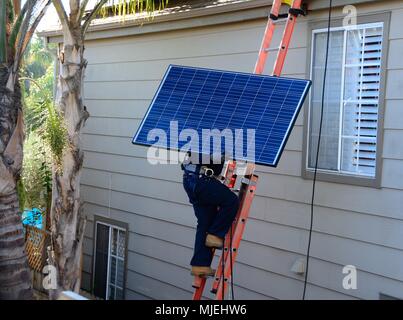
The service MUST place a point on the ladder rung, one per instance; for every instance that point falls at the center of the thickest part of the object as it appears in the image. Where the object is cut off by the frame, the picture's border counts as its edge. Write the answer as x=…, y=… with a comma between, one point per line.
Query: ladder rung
x=247, y=181
x=279, y=18
x=271, y=49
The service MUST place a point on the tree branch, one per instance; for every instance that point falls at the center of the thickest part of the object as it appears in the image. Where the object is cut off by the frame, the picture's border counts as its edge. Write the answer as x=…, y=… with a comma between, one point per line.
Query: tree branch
x=74, y=10
x=13, y=152
x=92, y=15
x=34, y=25
x=17, y=26
x=18, y=50
x=61, y=12
x=17, y=7
x=82, y=10
x=74, y=5
x=3, y=36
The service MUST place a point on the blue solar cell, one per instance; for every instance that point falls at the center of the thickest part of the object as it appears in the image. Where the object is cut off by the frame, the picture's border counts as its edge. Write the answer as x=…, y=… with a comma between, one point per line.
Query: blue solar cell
x=198, y=98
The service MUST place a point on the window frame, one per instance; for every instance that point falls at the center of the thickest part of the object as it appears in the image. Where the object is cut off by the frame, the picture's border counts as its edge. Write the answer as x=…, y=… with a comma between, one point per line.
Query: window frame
x=343, y=177
x=119, y=226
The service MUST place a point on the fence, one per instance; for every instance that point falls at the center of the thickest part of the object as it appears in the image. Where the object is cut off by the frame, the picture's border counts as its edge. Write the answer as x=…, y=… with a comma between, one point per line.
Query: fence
x=36, y=242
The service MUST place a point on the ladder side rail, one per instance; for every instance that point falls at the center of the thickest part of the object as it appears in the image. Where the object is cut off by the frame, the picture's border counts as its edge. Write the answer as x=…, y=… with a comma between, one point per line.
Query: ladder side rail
x=198, y=282
x=268, y=36
x=228, y=245
x=227, y=242
x=237, y=236
x=285, y=42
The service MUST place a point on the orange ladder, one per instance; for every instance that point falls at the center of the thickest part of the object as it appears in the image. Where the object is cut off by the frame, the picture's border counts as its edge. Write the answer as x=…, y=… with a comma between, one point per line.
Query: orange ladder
x=249, y=181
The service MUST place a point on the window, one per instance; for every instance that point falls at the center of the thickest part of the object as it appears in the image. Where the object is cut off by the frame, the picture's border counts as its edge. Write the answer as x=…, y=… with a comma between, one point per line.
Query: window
x=352, y=98
x=109, y=266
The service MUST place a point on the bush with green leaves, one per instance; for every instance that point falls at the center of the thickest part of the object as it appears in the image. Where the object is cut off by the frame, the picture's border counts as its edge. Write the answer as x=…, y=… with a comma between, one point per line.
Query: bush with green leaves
x=46, y=134
x=42, y=117
x=36, y=175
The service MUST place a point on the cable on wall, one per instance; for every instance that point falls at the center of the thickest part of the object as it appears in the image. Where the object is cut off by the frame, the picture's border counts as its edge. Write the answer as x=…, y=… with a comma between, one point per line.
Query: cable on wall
x=318, y=147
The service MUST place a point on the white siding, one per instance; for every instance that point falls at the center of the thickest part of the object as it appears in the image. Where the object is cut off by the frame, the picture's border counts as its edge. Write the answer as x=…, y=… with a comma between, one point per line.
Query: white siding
x=353, y=225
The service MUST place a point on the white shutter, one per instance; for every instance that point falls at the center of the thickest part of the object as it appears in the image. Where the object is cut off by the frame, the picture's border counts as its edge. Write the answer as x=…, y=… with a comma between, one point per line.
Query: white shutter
x=364, y=156
x=351, y=108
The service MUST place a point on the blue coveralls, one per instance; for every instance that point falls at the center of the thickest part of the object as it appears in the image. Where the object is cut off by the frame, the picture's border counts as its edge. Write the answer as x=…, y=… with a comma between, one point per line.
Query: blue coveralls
x=215, y=207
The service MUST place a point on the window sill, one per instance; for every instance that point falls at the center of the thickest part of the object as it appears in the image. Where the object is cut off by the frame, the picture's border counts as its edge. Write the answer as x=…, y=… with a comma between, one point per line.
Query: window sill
x=342, y=178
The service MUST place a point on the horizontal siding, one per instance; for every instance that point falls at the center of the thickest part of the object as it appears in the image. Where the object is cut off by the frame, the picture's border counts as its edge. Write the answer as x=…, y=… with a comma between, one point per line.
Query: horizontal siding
x=87, y=263
x=253, y=256
x=353, y=225
x=113, y=127
x=385, y=202
x=133, y=295
x=191, y=44
x=395, y=84
x=123, y=108
x=392, y=143
x=396, y=30
x=395, y=60
x=393, y=116
x=115, y=145
x=151, y=287
x=116, y=90
x=86, y=281
x=154, y=70
x=393, y=174
x=365, y=228
x=126, y=128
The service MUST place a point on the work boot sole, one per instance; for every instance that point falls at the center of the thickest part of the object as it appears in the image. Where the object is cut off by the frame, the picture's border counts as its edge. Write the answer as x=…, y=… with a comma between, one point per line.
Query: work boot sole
x=202, y=275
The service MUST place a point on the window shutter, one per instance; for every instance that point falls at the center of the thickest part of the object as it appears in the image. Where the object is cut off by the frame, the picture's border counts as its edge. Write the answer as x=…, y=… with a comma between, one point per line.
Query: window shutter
x=350, y=114
x=368, y=87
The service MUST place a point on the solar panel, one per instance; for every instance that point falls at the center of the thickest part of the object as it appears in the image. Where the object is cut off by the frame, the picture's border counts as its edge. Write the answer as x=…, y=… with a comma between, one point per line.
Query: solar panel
x=199, y=99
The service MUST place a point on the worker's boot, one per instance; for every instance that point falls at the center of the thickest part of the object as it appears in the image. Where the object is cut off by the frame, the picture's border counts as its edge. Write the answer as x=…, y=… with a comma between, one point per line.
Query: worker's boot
x=202, y=271
x=213, y=241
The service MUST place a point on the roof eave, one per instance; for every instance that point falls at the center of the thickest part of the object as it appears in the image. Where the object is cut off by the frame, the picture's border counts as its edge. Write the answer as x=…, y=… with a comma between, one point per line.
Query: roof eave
x=194, y=13
x=251, y=10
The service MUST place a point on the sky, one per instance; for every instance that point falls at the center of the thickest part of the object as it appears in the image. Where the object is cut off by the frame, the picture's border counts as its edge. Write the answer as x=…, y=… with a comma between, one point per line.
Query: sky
x=50, y=19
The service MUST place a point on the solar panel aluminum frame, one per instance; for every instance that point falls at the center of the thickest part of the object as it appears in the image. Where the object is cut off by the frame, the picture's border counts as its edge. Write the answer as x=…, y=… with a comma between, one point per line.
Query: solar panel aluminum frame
x=286, y=136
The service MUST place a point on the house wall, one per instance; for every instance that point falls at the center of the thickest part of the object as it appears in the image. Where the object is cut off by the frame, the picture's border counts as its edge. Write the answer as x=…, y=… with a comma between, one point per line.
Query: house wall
x=353, y=225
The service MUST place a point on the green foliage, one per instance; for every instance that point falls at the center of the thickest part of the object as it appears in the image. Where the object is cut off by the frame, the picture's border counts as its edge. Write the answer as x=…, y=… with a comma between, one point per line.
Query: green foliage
x=125, y=7
x=22, y=195
x=42, y=117
x=54, y=133
x=16, y=29
x=37, y=61
x=46, y=133
x=3, y=28
x=36, y=179
x=10, y=10
x=38, y=97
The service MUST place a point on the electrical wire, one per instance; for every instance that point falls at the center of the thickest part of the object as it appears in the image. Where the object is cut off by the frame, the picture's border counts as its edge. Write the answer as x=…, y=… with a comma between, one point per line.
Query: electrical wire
x=231, y=264
x=318, y=147
x=231, y=267
x=223, y=275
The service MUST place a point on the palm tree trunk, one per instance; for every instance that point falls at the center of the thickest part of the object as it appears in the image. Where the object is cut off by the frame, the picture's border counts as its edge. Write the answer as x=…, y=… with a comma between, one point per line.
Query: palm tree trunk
x=15, y=277
x=67, y=222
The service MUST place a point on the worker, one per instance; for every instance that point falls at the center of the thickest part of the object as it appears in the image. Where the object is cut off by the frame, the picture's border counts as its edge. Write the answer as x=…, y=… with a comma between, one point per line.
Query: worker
x=215, y=207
